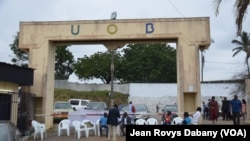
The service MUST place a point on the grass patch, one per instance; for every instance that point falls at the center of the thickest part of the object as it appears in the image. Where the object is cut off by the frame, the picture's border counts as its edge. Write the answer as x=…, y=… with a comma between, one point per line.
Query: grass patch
x=66, y=94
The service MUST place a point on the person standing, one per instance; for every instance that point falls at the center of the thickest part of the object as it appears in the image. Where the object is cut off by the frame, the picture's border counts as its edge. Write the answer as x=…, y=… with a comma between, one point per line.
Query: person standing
x=225, y=109
x=112, y=121
x=157, y=108
x=236, y=110
x=208, y=113
x=205, y=110
x=103, y=124
x=132, y=110
x=214, y=109
x=244, y=109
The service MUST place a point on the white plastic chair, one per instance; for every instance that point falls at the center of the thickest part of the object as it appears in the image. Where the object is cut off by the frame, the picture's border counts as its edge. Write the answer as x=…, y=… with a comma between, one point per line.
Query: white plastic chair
x=177, y=121
x=140, y=121
x=88, y=129
x=78, y=128
x=152, y=121
x=97, y=123
x=64, y=125
x=39, y=128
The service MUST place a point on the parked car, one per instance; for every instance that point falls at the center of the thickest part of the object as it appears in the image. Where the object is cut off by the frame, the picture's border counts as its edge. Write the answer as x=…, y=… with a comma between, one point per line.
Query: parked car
x=61, y=110
x=93, y=112
x=9, y=132
x=97, y=106
x=120, y=106
x=141, y=111
x=173, y=108
x=79, y=103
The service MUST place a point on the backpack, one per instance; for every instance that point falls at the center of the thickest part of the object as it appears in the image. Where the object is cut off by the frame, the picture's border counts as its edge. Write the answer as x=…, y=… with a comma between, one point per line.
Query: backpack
x=133, y=109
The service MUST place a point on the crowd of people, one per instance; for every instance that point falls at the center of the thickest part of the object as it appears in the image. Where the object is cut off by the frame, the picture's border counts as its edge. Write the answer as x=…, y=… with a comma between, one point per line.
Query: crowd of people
x=230, y=109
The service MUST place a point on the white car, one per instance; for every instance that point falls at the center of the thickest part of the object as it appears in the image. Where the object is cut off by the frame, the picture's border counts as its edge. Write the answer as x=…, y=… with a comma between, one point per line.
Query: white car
x=79, y=103
x=93, y=112
x=61, y=110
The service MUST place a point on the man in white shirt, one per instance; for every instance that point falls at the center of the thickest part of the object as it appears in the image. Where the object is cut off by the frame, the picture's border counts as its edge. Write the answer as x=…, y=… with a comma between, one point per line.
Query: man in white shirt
x=196, y=116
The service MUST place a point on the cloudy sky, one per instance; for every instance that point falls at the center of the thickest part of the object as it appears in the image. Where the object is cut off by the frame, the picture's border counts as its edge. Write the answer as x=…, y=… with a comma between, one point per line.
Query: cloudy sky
x=219, y=63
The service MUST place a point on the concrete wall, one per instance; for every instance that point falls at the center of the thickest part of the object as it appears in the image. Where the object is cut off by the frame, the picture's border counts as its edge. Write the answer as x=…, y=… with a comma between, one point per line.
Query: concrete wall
x=64, y=84
x=153, y=94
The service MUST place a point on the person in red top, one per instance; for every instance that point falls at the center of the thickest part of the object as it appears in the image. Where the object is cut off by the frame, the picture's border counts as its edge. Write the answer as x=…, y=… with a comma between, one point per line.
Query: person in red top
x=213, y=109
x=168, y=118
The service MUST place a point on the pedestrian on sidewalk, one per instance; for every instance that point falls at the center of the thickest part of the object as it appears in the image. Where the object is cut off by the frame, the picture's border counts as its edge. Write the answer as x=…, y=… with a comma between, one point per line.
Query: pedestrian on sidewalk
x=112, y=121
x=244, y=109
x=236, y=110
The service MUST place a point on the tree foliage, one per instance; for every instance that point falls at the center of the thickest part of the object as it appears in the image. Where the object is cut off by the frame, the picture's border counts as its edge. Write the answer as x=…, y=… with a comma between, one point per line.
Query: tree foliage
x=136, y=63
x=97, y=66
x=21, y=57
x=64, y=60
x=148, y=63
x=240, y=7
x=243, y=45
x=64, y=63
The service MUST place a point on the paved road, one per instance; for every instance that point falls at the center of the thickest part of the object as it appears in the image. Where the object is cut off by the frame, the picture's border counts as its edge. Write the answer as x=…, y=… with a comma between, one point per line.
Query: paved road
x=52, y=133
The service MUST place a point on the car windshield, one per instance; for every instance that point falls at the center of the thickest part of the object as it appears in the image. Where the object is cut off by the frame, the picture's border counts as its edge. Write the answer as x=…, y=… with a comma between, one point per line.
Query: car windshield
x=96, y=106
x=65, y=105
x=172, y=108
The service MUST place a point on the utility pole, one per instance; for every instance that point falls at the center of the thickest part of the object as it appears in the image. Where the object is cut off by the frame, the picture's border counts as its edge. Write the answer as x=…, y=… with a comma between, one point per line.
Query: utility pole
x=112, y=78
x=113, y=17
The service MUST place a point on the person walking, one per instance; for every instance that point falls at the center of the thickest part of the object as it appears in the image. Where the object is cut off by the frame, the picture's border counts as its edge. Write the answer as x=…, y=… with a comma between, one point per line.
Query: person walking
x=244, y=109
x=208, y=113
x=205, y=110
x=112, y=121
x=214, y=109
x=236, y=110
x=225, y=109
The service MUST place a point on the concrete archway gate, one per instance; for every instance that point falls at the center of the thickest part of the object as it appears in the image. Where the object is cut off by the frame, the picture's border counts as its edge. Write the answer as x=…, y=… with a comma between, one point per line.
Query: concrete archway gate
x=40, y=39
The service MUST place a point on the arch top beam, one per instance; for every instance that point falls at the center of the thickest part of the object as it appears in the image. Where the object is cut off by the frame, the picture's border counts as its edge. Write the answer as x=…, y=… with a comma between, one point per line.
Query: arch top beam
x=194, y=30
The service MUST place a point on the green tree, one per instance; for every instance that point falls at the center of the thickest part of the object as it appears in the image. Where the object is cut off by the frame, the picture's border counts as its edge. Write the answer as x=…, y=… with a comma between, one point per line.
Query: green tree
x=243, y=45
x=240, y=7
x=64, y=60
x=64, y=63
x=21, y=57
x=148, y=63
x=97, y=66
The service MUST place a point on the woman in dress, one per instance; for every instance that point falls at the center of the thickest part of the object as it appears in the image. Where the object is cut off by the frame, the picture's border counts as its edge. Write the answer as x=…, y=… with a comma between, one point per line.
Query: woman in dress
x=244, y=109
x=213, y=109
